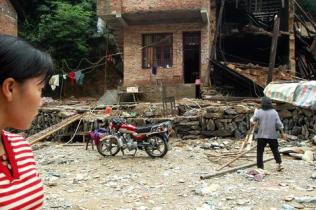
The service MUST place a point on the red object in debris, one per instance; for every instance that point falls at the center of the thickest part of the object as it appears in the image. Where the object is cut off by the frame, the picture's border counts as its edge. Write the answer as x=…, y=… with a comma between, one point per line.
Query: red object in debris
x=107, y=110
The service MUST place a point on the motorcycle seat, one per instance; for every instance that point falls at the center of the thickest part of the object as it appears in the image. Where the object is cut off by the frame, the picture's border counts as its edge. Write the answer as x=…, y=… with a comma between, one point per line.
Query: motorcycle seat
x=144, y=129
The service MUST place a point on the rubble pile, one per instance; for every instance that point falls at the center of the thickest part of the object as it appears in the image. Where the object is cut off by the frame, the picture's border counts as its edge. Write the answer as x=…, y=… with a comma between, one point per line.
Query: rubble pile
x=259, y=74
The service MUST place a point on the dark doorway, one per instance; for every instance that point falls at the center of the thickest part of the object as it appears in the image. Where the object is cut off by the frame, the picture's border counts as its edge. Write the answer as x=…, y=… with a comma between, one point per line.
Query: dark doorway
x=191, y=56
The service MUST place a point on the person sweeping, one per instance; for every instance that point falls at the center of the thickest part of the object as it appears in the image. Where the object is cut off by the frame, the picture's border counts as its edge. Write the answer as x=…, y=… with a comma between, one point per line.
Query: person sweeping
x=268, y=123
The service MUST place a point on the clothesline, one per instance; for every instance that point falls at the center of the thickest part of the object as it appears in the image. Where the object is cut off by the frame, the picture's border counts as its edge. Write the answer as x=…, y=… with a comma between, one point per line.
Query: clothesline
x=96, y=64
x=77, y=76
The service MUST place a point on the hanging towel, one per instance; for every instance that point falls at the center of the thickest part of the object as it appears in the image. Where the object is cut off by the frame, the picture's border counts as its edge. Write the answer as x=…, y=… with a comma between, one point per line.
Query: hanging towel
x=71, y=76
x=54, y=81
x=79, y=77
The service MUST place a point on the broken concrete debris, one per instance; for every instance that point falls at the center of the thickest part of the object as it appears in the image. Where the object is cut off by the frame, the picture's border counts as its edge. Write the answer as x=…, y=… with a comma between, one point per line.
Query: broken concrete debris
x=259, y=74
x=302, y=153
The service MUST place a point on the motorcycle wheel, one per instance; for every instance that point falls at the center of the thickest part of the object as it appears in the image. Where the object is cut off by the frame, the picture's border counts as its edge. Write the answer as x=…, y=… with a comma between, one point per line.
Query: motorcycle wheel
x=157, y=147
x=108, y=147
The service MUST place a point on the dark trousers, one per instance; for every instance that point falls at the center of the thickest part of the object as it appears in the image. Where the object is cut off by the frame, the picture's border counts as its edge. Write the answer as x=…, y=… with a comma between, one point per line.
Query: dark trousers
x=273, y=143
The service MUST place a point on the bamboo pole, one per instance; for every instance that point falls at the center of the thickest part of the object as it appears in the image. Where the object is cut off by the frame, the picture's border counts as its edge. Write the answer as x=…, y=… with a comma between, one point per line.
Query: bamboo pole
x=53, y=129
x=238, y=156
x=248, y=139
x=233, y=169
x=73, y=145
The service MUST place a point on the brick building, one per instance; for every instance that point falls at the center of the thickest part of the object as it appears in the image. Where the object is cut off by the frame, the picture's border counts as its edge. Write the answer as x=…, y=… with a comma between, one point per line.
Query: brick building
x=8, y=18
x=178, y=38
x=170, y=36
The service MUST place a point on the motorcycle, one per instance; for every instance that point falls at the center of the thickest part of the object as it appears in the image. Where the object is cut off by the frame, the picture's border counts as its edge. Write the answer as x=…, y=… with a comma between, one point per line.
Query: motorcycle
x=121, y=136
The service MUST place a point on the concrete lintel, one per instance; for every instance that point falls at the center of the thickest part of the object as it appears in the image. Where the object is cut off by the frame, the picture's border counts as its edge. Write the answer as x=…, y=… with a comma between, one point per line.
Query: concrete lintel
x=204, y=15
x=121, y=19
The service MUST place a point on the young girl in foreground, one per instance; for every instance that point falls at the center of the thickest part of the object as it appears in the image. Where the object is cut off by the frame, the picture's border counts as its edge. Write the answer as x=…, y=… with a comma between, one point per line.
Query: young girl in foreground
x=23, y=73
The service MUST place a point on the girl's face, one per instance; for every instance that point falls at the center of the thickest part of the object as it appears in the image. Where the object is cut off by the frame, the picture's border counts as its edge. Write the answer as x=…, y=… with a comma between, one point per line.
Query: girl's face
x=25, y=103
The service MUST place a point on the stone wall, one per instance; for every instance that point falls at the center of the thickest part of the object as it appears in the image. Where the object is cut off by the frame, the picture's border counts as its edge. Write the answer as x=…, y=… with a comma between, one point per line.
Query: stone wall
x=8, y=18
x=234, y=121
x=230, y=120
x=221, y=121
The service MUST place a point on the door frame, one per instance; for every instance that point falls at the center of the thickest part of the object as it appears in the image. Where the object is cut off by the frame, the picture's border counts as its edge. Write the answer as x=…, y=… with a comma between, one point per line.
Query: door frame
x=183, y=52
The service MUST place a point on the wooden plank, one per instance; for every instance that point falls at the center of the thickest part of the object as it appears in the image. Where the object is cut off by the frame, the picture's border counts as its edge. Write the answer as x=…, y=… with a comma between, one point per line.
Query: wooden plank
x=274, y=46
x=248, y=139
x=53, y=129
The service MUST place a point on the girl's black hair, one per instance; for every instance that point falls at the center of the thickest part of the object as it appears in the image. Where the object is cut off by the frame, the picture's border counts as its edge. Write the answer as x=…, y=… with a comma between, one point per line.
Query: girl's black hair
x=21, y=61
x=266, y=103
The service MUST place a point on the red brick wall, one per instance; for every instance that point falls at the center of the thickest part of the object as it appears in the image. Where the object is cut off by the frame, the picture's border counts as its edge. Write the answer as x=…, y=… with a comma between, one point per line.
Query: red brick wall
x=8, y=18
x=134, y=74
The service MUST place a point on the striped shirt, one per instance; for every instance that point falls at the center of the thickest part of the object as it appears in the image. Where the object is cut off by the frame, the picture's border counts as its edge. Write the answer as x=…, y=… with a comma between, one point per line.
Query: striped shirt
x=21, y=187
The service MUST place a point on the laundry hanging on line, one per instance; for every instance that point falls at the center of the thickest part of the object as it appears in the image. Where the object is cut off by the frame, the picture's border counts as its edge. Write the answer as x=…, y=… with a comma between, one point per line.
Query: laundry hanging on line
x=71, y=76
x=79, y=76
x=54, y=81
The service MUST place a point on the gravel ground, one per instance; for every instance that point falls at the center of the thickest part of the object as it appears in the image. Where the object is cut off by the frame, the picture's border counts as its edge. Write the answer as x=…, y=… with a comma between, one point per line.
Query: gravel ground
x=76, y=178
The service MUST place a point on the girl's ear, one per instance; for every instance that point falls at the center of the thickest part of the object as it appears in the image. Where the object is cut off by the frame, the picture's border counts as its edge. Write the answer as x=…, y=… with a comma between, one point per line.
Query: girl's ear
x=7, y=88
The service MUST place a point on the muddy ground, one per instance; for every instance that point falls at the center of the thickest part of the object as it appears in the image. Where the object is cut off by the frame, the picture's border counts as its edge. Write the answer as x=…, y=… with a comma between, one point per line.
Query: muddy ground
x=76, y=178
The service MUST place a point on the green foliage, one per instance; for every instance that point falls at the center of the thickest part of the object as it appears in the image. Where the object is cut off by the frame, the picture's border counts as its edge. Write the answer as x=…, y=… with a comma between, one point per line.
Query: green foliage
x=309, y=5
x=61, y=28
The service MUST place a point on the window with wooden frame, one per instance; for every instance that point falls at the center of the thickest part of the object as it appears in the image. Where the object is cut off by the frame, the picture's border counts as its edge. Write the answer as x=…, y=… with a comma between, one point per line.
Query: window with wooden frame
x=157, y=50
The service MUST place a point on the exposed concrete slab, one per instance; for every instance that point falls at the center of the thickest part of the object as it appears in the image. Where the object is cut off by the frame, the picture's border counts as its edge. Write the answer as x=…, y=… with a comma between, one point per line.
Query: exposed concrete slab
x=153, y=93
x=110, y=97
x=167, y=16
